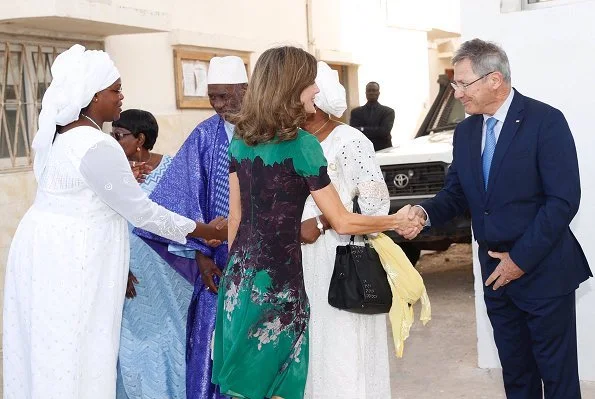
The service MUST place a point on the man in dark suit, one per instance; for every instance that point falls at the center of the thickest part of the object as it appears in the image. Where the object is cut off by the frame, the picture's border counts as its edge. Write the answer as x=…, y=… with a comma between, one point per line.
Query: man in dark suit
x=515, y=168
x=373, y=119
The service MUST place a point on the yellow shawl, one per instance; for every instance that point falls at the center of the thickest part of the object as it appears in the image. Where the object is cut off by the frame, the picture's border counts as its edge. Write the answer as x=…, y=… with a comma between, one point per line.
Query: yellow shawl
x=407, y=288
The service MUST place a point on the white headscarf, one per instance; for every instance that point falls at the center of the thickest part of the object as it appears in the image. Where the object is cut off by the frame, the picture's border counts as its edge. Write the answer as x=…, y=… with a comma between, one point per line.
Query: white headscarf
x=76, y=76
x=331, y=98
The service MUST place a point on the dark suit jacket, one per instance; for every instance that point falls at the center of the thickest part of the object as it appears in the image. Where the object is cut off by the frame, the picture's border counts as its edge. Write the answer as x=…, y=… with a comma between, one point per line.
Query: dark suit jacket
x=375, y=121
x=533, y=194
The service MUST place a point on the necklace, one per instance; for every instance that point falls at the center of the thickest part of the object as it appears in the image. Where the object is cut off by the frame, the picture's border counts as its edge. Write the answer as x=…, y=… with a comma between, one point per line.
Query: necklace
x=92, y=121
x=321, y=127
x=150, y=155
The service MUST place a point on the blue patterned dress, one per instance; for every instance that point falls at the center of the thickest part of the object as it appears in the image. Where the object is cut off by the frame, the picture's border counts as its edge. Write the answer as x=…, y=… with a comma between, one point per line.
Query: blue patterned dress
x=196, y=185
x=151, y=362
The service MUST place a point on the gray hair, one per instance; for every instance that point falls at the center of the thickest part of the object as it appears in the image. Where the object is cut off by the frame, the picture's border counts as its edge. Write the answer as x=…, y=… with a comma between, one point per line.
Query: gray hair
x=485, y=57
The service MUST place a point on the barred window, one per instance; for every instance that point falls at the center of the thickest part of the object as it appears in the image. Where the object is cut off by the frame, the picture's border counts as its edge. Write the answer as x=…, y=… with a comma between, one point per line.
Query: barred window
x=24, y=77
x=529, y=5
x=535, y=4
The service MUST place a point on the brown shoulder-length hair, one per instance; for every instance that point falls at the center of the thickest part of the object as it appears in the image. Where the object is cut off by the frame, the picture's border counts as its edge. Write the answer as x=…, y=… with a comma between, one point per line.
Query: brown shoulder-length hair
x=271, y=106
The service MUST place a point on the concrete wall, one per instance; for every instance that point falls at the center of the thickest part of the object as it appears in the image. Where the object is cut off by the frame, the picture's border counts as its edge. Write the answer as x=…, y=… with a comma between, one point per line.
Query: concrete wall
x=551, y=58
x=89, y=17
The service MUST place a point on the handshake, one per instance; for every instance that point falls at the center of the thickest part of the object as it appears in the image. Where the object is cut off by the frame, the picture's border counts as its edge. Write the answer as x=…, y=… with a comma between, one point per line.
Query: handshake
x=410, y=221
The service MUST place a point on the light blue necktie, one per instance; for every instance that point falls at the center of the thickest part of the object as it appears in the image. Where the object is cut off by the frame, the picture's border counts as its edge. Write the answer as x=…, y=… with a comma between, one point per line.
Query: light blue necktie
x=488, y=150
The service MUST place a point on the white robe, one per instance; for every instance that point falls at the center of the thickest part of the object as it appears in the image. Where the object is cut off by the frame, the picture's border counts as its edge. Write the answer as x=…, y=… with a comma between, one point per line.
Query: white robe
x=348, y=351
x=67, y=270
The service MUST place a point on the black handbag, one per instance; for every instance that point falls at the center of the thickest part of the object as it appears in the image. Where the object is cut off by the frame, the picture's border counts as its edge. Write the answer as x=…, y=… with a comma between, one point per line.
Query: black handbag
x=359, y=283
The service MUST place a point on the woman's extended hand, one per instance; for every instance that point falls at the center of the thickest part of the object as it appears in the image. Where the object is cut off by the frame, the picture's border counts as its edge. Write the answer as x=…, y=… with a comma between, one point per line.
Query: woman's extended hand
x=140, y=170
x=220, y=233
x=407, y=226
x=212, y=233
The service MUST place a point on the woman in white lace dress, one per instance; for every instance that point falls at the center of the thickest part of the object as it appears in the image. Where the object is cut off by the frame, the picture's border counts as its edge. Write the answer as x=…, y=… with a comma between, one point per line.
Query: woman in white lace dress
x=68, y=263
x=348, y=351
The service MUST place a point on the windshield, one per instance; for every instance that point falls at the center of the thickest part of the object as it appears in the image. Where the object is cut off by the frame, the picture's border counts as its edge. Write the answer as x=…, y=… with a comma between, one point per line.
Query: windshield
x=445, y=113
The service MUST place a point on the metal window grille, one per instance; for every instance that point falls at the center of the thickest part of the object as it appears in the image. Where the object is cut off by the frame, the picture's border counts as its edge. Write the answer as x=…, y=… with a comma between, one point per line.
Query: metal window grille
x=537, y=4
x=24, y=76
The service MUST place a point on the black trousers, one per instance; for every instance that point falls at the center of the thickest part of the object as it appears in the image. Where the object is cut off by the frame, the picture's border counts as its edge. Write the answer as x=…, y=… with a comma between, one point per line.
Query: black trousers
x=536, y=341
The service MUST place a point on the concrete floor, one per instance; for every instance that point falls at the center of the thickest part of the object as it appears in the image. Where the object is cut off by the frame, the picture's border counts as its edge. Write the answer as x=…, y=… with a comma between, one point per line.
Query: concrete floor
x=440, y=359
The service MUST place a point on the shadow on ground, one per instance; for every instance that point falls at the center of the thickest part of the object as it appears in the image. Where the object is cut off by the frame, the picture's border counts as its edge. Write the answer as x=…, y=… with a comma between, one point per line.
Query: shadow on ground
x=440, y=359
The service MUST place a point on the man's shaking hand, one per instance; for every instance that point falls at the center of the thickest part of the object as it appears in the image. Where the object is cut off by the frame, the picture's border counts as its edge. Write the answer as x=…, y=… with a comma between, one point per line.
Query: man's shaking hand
x=417, y=216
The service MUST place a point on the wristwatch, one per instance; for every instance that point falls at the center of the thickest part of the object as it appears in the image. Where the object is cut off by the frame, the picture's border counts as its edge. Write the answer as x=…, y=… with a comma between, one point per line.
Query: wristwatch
x=319, y=225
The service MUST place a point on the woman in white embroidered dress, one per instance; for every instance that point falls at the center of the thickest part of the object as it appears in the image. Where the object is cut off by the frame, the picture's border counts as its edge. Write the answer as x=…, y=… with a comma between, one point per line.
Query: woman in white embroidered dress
x=68, y=262
x=348, y=351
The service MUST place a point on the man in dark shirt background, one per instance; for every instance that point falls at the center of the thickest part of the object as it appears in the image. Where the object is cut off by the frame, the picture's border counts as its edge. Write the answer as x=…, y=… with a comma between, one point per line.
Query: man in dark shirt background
x=374, y=119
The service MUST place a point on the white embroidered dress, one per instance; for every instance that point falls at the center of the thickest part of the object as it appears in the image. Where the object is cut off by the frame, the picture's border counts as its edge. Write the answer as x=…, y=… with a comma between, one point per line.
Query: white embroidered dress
x=348, y=351
x=67, y=270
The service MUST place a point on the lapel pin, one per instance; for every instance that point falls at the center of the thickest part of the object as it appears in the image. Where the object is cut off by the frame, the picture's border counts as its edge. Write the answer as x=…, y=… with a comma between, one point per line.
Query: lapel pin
x=518, y=120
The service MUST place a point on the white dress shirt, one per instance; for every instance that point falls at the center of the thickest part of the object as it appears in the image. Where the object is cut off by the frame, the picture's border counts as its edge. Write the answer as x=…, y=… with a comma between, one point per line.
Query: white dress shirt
x=500, y=116
x=229, y=129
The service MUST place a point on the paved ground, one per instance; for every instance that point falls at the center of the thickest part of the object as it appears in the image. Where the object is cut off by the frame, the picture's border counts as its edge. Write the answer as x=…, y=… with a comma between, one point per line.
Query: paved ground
x=440, y=359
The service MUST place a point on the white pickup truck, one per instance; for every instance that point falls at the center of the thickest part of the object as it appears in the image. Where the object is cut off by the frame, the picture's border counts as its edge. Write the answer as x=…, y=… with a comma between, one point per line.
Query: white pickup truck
x=415, y=170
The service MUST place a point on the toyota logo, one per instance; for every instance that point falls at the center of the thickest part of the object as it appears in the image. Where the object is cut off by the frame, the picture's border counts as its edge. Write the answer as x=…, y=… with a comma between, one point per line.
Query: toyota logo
x=401, y=180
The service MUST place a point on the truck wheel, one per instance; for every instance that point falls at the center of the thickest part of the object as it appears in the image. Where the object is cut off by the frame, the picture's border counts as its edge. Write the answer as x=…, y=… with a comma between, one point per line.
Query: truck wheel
x=411, y=252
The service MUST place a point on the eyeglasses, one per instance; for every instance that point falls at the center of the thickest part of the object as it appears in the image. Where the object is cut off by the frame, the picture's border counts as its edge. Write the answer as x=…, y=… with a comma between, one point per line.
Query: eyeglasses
x=119, y=135
x=463, y=87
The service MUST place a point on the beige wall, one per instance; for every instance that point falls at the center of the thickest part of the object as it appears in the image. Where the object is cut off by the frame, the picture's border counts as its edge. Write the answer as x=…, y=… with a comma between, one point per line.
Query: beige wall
x=262, y=21
x=87, y=17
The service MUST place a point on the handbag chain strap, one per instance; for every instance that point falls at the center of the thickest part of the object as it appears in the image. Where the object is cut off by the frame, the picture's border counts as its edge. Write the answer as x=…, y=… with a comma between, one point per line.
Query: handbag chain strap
x=356, y=209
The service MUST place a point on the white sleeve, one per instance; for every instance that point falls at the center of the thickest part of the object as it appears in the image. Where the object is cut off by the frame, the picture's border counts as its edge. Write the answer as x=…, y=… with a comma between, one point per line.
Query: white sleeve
x=106, y=170
x=362, y=171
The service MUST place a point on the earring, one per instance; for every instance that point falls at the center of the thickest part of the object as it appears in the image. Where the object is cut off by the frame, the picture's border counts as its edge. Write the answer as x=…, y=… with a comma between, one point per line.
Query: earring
x=95, y=99
x=137, y=149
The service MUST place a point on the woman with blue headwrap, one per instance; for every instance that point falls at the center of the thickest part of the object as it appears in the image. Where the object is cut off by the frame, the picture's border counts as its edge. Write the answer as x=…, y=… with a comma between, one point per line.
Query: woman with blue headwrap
x=68, y=263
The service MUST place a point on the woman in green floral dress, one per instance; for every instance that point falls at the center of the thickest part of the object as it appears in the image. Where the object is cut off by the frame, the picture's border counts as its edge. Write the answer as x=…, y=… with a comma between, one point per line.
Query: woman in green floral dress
x=261, y=336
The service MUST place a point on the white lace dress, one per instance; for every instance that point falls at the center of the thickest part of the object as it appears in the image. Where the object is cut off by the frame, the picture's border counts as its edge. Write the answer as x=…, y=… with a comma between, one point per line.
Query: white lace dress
x=348, y=351
x=67, y=270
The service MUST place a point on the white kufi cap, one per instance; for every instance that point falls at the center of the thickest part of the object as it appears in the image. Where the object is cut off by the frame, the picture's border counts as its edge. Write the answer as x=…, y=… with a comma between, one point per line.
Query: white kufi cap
x=227, y=70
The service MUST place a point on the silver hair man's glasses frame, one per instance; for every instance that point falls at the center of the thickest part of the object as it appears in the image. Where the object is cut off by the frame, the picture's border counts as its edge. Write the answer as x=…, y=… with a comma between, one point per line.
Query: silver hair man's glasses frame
x=462, y=87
